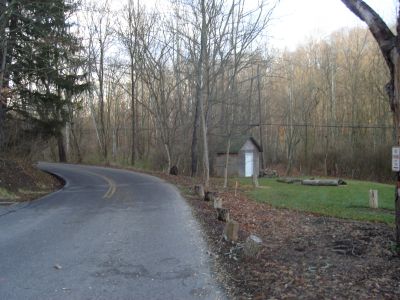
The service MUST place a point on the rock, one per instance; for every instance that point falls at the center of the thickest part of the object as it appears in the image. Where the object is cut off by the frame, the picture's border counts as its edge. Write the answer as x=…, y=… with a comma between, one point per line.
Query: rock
x=210, y=196
x=223, y=214
x=231, y=231
x=217, y=203
x=57, y=267
x=252, y=246
x=199, y=190
x=173, y=170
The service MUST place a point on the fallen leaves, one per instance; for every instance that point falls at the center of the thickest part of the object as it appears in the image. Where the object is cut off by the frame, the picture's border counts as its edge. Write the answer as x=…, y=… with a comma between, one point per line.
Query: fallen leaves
x=303, y=255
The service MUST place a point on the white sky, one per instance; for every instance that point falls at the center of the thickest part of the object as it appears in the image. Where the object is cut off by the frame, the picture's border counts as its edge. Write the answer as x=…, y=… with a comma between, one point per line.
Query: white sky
x=297, y=20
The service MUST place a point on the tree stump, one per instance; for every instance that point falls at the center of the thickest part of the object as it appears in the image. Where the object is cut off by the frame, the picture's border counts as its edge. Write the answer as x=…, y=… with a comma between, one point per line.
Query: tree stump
x=252, y=246
x=373, y=198
x=217, y=203
x=199, y=190
x=173, y=170
x=210, y=196
x=223, y=214
x=231, y=231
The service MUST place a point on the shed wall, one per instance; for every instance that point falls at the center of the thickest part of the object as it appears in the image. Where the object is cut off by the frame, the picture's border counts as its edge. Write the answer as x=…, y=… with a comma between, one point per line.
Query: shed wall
x=219, y=165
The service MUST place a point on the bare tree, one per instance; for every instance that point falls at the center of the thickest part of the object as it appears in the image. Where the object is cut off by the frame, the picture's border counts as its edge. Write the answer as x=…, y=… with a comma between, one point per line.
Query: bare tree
x=100, y=38
x=132, y=29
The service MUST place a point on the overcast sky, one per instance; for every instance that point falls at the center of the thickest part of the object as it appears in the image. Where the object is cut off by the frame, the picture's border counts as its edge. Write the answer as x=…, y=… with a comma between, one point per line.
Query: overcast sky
x=296, y=20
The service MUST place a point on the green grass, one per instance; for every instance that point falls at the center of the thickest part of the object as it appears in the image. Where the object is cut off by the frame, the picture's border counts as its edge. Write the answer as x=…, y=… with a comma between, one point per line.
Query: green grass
x=350, y=201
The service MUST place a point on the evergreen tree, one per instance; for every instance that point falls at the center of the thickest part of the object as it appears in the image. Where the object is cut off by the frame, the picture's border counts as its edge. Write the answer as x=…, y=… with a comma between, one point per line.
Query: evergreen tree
x=42, y=65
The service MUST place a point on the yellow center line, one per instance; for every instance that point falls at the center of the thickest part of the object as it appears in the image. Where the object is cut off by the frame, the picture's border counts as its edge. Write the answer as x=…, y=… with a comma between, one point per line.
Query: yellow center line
x=112, y=186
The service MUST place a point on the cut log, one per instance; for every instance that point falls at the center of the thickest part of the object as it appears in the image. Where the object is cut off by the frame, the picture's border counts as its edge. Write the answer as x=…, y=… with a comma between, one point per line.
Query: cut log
x=289, y=180
x=210, y=196
x=231, y=231
x=199, y=190
x=223, y=214
x=252, y=246
x=217, y=203
x=373, y=198
x=323, y=182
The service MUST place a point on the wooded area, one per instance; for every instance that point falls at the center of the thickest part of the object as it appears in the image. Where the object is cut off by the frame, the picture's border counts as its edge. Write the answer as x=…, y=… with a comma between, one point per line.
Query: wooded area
x=133, y=85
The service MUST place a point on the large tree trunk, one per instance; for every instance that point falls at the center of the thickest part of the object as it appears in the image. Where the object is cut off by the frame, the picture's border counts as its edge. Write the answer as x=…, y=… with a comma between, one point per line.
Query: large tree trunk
x=203, y=94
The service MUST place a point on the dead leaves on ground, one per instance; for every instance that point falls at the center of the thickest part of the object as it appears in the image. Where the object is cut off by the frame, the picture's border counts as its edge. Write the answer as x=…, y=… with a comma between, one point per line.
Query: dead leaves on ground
x=304, y=255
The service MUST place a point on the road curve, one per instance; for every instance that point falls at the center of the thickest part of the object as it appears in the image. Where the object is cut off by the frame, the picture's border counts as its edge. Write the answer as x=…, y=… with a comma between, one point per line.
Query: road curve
x=108, y=234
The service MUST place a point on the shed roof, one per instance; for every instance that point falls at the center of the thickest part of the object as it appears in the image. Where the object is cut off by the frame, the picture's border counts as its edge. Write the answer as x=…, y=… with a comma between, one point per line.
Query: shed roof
x=236, y=144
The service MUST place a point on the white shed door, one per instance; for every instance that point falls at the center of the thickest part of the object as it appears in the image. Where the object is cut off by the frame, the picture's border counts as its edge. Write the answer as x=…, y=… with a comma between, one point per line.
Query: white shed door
x=248, y=164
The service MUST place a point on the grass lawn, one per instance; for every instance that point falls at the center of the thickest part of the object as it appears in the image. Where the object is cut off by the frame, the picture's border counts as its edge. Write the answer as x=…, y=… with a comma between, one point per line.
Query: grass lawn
x=350, y=201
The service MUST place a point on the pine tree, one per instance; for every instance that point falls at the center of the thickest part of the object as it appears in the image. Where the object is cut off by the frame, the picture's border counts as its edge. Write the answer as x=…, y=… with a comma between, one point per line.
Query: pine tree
x=42, y=65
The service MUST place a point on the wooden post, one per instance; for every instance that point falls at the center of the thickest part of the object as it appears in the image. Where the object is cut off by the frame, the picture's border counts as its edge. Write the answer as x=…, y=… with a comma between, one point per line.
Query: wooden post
x=223, y=214
x=210, y=196
x=199, y=190
x=236, y=187
x=231, y=231
x=252, y=246
x=217, y=202
x=373, y=198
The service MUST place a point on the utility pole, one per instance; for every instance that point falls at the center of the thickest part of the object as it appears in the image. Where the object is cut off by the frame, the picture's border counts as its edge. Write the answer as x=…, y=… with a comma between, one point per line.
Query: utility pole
x=259, y=117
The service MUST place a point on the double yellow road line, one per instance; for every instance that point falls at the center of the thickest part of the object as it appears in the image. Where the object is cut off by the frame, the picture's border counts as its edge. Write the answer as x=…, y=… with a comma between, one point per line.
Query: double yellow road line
x=112, y=186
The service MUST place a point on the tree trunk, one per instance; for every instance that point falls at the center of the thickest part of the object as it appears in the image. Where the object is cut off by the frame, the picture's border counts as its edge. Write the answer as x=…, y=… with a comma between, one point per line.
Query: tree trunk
x=194, y=150
x=203, y=91
x=62, y=157
x=133, y=115
x=228, y=148
x=322, y=182
x=3, y=83
x=101, y=104
x=260, y=118
x=76, y=144
x=168, y=152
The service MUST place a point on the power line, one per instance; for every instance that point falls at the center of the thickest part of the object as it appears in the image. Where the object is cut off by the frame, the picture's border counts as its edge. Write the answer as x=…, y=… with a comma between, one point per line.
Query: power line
x=360, y=126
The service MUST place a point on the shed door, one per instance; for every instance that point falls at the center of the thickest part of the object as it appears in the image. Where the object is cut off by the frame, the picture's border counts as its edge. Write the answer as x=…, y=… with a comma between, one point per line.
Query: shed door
x=248, y=164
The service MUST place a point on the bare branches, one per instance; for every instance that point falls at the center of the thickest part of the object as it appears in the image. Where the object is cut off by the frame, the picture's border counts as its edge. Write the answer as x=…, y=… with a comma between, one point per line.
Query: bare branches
x=381, y=32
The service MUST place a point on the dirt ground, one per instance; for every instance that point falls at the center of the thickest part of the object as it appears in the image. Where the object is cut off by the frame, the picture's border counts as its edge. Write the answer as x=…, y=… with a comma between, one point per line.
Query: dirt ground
x=25, y=181
x=304, y=256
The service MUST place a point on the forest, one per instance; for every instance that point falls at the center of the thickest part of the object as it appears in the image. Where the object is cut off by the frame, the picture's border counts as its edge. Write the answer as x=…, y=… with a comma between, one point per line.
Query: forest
x=131, y=84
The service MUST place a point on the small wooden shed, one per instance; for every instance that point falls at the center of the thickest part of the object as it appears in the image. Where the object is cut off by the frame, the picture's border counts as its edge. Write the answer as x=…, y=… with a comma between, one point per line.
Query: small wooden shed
x=244, y=158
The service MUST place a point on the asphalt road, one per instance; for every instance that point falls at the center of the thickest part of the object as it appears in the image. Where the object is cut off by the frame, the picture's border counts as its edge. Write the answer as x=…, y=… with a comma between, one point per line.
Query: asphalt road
x=108, y=234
